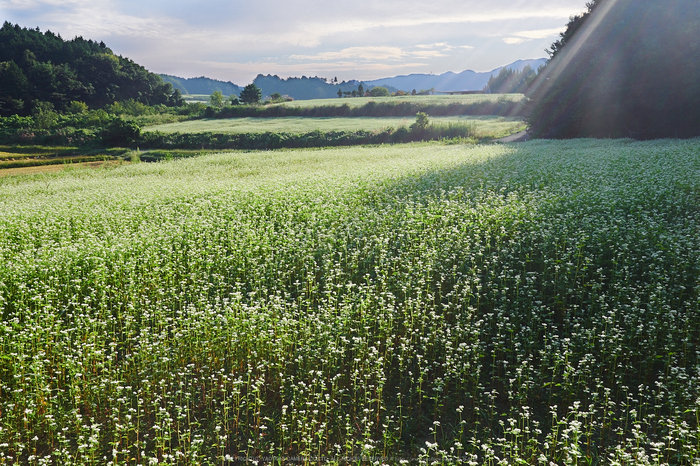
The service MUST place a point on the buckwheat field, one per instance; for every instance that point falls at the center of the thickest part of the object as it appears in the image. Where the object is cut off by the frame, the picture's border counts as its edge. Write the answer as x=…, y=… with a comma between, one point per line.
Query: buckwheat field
x=498, y=304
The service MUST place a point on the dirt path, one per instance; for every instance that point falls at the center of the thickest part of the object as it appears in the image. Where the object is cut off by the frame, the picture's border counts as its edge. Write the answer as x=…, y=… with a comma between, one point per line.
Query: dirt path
x=522, y=136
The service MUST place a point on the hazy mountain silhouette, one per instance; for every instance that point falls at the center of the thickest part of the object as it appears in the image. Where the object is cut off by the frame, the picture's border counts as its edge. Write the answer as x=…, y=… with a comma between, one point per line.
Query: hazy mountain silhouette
x=201, y=85
x=465, y=81
x=305, y=88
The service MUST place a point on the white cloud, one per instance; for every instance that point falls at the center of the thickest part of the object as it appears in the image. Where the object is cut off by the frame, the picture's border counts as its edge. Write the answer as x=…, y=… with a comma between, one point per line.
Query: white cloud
x=524, y=36
x=312, y=32
x=33, y=4
x=364, y=53
x=370, y=54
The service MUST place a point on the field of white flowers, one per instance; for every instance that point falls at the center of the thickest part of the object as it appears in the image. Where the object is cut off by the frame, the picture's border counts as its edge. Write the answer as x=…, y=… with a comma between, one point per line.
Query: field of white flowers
x=503, y=304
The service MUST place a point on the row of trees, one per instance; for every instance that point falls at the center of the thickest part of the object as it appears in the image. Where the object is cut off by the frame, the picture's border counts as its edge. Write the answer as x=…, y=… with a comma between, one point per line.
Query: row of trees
x=510, y=81
x=376, y=91
x=250, y=95
x=39, y=69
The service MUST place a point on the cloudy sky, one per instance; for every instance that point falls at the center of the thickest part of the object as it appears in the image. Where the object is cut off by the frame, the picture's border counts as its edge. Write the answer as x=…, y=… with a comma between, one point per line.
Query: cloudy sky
x=234, y=40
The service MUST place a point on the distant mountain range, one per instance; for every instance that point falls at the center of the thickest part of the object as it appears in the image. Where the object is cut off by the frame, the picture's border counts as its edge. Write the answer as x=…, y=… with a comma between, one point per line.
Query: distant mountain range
x=305, y=88
x=465, y=81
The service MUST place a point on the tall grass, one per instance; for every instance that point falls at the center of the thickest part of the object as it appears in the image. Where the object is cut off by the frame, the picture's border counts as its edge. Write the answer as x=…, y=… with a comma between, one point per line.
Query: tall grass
x=529, y=304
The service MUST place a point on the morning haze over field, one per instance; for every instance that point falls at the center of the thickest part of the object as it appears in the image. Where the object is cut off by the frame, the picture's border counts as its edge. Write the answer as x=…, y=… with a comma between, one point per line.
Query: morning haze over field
x=304, y=233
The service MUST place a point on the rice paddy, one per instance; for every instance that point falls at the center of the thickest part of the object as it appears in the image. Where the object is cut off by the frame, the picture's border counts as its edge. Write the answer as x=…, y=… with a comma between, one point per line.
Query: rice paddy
x=535, y=303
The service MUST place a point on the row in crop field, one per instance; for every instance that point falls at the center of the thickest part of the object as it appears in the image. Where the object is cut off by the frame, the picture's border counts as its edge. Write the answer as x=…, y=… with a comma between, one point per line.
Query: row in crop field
x=535, y=303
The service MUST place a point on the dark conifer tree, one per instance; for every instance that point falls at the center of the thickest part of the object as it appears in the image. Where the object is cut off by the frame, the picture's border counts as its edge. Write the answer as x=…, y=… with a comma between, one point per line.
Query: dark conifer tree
x=626, y=68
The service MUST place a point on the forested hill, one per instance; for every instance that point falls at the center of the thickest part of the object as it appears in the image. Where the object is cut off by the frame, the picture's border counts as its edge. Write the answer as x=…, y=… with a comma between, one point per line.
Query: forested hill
x=38, y=69
x=202, y=85
x=303, y=88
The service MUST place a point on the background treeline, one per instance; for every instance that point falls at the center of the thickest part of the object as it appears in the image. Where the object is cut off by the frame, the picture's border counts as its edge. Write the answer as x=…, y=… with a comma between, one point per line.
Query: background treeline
x=501, y=106
x=511, y=81
x=201, y=85
x=43, y=71
x=625, y=68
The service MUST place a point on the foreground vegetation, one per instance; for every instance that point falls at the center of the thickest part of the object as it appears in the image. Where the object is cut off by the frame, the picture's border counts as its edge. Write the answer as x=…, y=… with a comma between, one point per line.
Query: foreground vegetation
x=499, y=304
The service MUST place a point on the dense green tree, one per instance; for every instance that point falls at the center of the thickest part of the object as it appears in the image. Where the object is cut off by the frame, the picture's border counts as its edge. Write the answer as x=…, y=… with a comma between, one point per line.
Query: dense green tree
x=216, y=99
x=379, y=91
x=76, y=107
x=251, y=94
x=626, y=68
x=14, y=88
x=572, y=27
x=360, y=90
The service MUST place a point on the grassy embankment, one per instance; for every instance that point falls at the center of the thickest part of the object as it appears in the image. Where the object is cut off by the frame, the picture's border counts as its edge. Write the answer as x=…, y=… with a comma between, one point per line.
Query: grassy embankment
x=524, y=304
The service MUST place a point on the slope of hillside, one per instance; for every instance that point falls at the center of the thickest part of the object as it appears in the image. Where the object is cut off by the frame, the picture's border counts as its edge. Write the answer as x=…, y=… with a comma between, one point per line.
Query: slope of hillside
x=41, y=71
x=202, y=85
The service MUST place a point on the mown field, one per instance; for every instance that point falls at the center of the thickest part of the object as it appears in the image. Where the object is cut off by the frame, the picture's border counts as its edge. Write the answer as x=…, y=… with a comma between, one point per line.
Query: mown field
x=490, y=126
x=536, y=303
x=360, y=101
x=428, y=100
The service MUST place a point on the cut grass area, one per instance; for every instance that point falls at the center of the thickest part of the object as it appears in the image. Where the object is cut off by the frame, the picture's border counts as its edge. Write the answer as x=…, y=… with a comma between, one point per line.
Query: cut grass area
x=489, y=126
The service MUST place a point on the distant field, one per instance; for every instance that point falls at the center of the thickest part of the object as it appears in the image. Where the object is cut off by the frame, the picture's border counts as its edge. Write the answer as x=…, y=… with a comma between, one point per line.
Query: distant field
x=360, y=101
x=15, y=157
x=191, y=98
x=489, y=126
x=421, y=99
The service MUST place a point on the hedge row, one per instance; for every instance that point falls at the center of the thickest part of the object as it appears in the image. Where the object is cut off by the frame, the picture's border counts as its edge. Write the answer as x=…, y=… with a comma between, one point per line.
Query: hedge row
x=262, y=141
x=501, y=107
